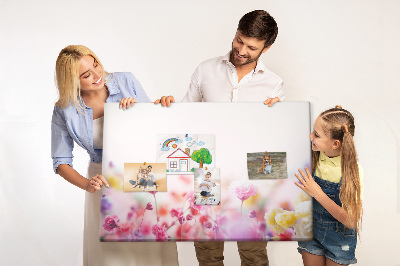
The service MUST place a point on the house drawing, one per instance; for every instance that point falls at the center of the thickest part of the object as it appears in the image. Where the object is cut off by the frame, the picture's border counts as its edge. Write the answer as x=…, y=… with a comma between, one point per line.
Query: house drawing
x=178, y=161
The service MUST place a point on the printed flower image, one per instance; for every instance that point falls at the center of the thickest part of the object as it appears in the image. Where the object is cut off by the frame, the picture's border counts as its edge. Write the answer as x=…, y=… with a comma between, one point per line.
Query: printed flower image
x=302, y=196
x=272, y=223
x=250, y=210
x=111, y=222
x=300, y=220
x=286, y=218
x=242, y=189
x=303, y=209
x=160, y=232
x=304, y=228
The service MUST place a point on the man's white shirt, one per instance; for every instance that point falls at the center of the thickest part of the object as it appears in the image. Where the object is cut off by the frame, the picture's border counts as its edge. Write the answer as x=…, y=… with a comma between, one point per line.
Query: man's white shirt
x=216, y=80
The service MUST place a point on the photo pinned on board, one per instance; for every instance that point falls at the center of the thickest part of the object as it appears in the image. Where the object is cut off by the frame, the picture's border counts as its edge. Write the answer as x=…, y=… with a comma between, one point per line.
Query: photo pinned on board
x=267, y=165
x=184, y=152
x=145, y=177
x=207, y=186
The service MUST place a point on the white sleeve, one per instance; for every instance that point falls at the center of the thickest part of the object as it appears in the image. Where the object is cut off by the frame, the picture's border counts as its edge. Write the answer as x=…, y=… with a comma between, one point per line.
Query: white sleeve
x=194, y=92
x=278, y=91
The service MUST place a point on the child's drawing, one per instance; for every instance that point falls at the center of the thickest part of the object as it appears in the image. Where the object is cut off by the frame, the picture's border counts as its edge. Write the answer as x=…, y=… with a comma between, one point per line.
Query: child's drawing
x=182, y=153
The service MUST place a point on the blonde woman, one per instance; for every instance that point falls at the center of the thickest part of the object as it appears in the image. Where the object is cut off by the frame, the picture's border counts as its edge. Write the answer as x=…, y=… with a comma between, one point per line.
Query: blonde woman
x=84, y=87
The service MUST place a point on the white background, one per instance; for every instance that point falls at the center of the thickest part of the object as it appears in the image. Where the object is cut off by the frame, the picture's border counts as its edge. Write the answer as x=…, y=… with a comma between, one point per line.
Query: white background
x=327, y=52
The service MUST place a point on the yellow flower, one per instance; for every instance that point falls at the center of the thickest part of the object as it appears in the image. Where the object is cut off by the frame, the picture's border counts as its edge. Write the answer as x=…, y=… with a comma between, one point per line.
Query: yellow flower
x=286, y=219
x=270, y=218
x=301, y=197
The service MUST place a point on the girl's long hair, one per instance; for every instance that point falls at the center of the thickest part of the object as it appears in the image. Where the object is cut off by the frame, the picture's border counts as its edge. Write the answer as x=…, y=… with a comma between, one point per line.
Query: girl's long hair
x=339, y=125
x=67, y=75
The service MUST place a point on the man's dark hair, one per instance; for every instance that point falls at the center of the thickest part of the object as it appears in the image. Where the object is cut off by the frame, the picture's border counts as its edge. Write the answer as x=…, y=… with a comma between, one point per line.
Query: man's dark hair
x=259, y=24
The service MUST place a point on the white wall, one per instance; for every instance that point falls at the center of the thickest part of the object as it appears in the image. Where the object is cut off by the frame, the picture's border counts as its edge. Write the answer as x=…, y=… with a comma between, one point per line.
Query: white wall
x=327, y=52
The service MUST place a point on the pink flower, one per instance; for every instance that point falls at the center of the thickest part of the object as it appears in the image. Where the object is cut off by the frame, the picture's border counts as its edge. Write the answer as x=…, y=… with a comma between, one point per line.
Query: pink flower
x=253, y=214
x=242, y=189
x=189, y=217
x=160, y=232
x=215, y=229
x=153, y=192
x=131, y=215
x=190, y=198
x=125, y=229
x=176, y=212
x=220, y=220
x=111, y=222
x=181, y=219
x=149, y=206
x=208, y=225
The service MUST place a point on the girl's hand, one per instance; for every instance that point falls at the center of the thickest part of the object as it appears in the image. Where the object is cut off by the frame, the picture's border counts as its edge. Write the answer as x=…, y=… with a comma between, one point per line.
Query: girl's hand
x=125, y=103
x=95, y=183
x=308, y=184
x=165, y=100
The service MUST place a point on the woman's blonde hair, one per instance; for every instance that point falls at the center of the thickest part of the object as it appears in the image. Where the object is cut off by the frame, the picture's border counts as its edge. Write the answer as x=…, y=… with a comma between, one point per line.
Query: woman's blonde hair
x=339, y=125
x=67, y=75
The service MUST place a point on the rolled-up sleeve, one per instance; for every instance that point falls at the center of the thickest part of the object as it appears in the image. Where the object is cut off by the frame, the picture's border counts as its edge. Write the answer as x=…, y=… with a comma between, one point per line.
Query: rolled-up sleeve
x=62, y=143
x=138, y=90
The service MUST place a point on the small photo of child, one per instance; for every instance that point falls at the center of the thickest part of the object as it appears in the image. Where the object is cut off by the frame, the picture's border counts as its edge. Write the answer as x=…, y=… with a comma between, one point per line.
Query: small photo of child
x=145, y=177
x=207, y=186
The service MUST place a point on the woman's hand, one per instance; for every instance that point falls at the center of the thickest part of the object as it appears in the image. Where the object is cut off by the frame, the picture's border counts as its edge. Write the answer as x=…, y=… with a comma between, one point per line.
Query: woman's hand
x=125, y=103
x=165, y=100
x=95, y=183
x=308, y=184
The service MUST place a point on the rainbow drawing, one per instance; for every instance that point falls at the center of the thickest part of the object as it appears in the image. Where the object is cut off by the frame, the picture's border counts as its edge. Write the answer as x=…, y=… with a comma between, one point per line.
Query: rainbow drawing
x=168, y=141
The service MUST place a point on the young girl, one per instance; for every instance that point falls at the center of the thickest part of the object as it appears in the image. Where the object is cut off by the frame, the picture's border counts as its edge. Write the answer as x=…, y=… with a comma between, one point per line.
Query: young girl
x=84, y=87
x=336, y=190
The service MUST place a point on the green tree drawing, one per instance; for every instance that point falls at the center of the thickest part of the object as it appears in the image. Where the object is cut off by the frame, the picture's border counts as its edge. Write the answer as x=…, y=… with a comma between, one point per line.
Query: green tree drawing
x=202, y=156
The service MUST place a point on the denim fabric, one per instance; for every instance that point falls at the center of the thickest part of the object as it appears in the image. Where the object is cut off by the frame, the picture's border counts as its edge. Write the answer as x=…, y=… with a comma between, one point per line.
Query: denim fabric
x=331, y=238
x=69, y=125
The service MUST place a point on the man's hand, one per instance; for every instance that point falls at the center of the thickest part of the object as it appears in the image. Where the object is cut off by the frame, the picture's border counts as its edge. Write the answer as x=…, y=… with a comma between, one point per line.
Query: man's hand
x=271, y=101
x=165, y=100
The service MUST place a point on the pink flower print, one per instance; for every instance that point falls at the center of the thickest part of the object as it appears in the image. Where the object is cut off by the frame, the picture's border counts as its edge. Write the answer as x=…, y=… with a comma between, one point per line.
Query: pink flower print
x=262, y=227
x=215, y=229
x=242, y=189
x=253, y=214
x=189, y=217
x=176, y=212
x=149, y=206
x=181, y=219
x=221, y=220
x=153, y=192
x=131, y=215
x=125, y=229
x=111, y=222
x=208, y=225
x=200, y=208
x=160, y=232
